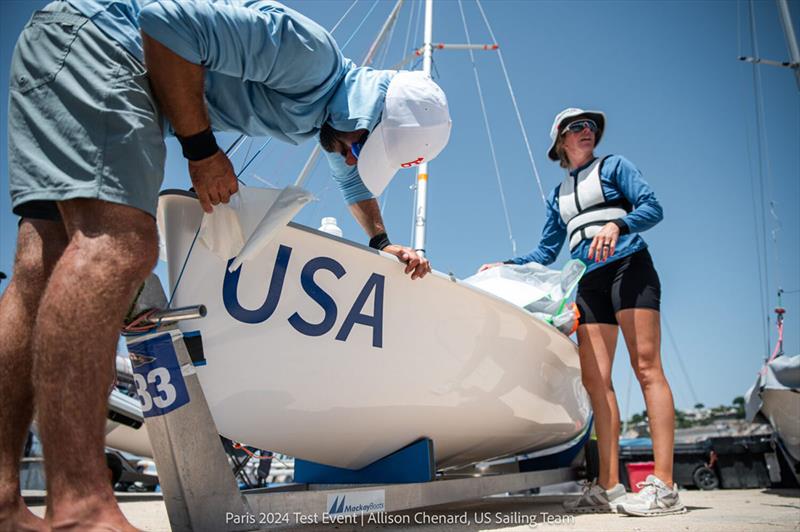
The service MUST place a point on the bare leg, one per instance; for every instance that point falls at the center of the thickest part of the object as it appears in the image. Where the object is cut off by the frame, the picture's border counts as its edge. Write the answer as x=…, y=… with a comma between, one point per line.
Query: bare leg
x=642, y=331
x=111, y=250
x=597, y=343
x=39, y=245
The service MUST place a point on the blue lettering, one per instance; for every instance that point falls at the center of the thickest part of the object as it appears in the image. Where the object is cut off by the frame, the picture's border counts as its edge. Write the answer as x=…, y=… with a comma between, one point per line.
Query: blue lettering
x=375, y=321
x=319, y=295
x=231, y=284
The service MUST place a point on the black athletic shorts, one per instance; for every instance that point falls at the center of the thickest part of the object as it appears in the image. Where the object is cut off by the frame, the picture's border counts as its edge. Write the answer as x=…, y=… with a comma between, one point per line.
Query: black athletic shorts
x=631, y=282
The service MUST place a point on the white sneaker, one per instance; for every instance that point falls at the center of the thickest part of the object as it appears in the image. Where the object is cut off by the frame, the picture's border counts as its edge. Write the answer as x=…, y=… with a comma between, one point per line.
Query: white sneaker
x=595, y=499
x=654, y=498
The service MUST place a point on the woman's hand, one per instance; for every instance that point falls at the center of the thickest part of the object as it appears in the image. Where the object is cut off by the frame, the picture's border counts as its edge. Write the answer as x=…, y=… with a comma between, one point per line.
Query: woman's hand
x=604, y=243
x=489, y=266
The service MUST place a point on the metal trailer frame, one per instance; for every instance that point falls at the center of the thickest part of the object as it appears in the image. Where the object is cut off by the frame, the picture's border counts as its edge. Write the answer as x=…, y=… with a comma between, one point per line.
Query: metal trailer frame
x=199, y=487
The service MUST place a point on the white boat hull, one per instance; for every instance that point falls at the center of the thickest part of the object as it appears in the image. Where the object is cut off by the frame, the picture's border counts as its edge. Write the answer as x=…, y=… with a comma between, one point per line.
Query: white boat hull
x=348, y=360
x=775, y=398
x=128, y=439
x=782, y=409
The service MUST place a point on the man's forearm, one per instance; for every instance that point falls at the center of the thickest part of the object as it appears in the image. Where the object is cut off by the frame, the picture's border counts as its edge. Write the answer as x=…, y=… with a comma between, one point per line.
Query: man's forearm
x=178, y=87
x=368, y=215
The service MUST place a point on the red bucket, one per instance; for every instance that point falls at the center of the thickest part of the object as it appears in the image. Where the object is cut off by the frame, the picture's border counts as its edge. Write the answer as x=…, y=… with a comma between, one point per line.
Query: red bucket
x=638, y=471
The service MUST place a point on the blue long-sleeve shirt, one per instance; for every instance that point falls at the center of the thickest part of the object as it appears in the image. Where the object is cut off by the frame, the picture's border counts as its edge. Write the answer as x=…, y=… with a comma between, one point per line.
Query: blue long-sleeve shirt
x=620, y=179
x=270, y=71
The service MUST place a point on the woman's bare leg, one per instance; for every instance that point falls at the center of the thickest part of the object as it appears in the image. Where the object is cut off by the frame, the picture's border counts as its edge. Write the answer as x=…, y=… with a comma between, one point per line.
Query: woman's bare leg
x=597, y=343
x=641, y=329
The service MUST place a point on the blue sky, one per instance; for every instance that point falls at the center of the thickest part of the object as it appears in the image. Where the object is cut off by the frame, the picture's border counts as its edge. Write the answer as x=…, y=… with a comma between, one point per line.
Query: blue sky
x=679, y=105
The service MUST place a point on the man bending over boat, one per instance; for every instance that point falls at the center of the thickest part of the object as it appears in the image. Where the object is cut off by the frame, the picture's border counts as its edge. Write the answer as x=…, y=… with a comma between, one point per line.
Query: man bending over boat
x=86, y=161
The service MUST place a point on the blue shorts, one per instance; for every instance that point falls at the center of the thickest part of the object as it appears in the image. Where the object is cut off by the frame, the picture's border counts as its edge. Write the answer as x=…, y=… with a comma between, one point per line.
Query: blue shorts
x=82, y=121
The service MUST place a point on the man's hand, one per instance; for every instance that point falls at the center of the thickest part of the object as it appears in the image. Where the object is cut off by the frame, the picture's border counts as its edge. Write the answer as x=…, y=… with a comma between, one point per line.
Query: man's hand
x=604, y=243
x=489, y=266
x=213, y=179
x=417, y=266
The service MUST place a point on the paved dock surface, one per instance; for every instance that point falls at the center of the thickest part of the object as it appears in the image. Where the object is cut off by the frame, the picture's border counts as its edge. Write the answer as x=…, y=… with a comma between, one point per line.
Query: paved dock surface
x=728, y=510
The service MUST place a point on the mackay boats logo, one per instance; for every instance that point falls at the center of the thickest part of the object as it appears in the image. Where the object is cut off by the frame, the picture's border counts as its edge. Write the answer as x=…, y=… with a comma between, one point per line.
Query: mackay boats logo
x=358, y=502
x=337, y=507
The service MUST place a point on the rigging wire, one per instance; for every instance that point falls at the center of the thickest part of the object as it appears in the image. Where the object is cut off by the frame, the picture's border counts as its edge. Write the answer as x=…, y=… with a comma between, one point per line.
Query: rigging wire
x=680, y=357
x=627, y=416
x=488, y=131
x=249, y=147
x=387, y=44
x=757, y=233
x=349, y=9
x=759, y=134
x=767, y=159
x=419, y=21
x=255, y=155
x=739, y=28
x=514, y=101
x=408, y=29
x=355, y=32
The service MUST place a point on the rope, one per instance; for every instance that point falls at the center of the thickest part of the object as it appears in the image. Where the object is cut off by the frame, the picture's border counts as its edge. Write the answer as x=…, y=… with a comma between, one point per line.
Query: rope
x=488, y=132
x=251, y=454
x=514, y=101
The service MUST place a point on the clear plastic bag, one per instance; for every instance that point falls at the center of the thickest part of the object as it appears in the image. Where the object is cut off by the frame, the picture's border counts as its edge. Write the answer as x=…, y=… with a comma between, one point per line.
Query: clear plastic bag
x=537, y=289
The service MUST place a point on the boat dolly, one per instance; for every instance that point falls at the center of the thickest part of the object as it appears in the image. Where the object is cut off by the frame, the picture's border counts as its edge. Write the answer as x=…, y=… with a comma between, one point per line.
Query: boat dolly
x=197, y=481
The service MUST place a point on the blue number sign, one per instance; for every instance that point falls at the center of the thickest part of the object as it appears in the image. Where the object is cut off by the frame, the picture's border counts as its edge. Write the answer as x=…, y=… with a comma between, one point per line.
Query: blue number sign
x=158, y=376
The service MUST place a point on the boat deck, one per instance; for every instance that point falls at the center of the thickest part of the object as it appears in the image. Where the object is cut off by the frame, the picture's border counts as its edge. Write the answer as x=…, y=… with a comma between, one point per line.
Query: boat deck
x=721, y=510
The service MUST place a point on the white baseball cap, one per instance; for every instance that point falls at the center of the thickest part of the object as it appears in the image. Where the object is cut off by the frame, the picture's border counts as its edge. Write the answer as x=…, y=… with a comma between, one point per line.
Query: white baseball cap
x=574, y=112
x=414, y=128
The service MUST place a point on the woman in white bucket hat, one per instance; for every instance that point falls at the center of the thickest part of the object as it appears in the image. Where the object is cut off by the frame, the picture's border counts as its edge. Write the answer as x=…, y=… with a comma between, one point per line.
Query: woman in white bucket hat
x=600, y=208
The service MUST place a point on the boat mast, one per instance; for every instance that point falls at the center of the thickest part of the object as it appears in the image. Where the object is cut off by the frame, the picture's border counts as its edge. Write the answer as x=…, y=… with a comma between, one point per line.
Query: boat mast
x=791, y=40
x=422, y=170
x=791, y=43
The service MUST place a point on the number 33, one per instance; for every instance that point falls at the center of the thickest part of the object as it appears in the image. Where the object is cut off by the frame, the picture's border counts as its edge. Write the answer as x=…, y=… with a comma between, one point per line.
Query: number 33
x=159, y=377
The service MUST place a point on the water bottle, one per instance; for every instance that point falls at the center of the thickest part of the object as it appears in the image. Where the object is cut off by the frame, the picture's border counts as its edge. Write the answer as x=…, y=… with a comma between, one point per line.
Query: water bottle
x=329, y=226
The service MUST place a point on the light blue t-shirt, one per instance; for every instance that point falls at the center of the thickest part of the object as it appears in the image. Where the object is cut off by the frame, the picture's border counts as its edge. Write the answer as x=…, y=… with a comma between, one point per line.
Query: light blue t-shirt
x=270, y=71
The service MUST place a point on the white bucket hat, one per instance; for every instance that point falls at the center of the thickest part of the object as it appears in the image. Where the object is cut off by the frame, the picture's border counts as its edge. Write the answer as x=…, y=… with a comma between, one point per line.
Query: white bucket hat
x=572, y=113
x=414, y=128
